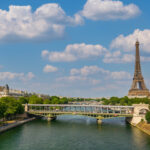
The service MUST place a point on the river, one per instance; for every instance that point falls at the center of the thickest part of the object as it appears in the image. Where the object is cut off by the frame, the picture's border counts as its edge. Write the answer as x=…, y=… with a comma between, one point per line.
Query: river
x=75, y=133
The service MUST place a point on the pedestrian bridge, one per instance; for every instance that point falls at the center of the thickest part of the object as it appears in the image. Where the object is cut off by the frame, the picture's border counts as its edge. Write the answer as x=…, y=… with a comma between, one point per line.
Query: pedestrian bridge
x=51, y=111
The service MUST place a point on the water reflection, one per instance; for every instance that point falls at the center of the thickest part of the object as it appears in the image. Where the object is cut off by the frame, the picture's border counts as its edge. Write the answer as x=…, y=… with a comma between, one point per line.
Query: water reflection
x=138, y=138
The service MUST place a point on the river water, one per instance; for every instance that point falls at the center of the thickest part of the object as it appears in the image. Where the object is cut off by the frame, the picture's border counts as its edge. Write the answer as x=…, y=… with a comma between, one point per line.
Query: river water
x=75, y=133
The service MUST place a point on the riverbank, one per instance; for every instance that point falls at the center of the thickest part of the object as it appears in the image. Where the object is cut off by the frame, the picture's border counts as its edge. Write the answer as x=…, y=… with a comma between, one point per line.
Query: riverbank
x=143, y=126
x=15, y=124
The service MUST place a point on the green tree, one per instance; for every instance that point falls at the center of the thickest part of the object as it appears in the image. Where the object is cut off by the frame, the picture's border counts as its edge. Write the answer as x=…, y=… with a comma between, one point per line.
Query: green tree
x=12, y=106
x=24, y=100
x=55, y=100
x=35, y=100
x=147, y=116
x=46, y=101
x=64, y=100
x=3, y=109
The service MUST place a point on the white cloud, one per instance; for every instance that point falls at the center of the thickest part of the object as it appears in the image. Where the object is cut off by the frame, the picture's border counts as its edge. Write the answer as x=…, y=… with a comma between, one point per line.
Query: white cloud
x=30, y=75
x=88, y=70
x=45, y=23
x=124, y=47
x=109, y=10
x=121, y=58
x=95, y=82
x=49, y=68
x=61, y=57
x=121, y=50
x=127, y=43
x=44, y=53
x=78, y=79
x=72, y=78
x=12, y=76
x=92, y=70
x=120, y=75
x=74, y=52
x=145, y=59
x=49, y=21
x=94, y=78
x=74, y=71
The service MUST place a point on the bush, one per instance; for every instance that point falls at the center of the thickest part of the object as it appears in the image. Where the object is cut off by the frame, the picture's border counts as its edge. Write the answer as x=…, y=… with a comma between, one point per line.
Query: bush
x=148, y=116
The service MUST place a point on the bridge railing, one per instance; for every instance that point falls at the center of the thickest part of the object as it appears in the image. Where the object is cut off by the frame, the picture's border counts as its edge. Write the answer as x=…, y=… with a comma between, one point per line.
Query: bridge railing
x=108, y=109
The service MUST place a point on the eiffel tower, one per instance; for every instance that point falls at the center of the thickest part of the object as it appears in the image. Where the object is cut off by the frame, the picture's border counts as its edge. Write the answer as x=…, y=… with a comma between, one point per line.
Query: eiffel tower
x=138, y=88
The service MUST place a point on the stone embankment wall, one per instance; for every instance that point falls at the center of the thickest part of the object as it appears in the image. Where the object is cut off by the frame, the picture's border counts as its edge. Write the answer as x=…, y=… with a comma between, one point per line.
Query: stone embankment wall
x=18, y=123
x=138, y=120
x=144, y=127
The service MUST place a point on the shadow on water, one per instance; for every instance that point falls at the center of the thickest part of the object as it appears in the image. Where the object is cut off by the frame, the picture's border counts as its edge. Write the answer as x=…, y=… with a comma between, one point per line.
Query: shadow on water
x=89, y=121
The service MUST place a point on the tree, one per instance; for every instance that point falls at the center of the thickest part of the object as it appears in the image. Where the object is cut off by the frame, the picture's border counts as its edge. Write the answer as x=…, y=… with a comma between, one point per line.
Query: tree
x=11, y=107
x=3, y=109
x=47, y=101
x=35, y=100
x=55, y=100
x=24, y=100
x=147, y=116
x=64, y=100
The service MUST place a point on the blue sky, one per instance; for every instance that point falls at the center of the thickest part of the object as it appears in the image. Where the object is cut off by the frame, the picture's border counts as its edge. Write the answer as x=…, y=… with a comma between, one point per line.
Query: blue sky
x=73, y=47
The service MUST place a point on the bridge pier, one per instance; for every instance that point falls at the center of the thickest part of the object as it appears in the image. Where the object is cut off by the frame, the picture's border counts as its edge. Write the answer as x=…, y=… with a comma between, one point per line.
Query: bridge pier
x=51, y=118
x=26, y=108
x=99, y=121
x=128, y=120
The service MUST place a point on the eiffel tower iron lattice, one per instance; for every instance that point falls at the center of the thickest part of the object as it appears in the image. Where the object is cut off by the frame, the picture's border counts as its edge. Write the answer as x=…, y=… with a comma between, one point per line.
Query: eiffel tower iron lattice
x=138, y=88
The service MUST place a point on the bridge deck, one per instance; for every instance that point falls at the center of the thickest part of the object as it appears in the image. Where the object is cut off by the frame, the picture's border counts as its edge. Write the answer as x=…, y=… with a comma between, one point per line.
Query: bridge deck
x=80, y=113
x=88, y=110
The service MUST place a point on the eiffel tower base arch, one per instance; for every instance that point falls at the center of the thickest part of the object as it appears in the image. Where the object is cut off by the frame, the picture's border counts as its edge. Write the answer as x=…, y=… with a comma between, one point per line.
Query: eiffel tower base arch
x=138, y=93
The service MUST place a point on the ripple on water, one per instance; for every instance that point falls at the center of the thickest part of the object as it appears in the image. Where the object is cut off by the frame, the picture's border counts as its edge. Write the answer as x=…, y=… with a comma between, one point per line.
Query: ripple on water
x=75, y=133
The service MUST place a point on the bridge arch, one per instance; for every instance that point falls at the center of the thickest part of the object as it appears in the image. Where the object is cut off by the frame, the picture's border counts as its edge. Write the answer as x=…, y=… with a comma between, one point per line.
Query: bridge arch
x=139, y=113
x=143, y=111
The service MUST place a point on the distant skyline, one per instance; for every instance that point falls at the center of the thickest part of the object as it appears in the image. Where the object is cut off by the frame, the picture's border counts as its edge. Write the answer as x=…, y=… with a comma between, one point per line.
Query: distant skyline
x=82, y=48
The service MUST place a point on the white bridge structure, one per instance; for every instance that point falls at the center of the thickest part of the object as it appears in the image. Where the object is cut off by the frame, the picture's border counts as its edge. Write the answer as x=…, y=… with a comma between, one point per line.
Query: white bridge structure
x=134, y=114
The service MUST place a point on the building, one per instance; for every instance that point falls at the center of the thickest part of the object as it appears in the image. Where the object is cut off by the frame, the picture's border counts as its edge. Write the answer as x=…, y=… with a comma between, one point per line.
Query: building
x=138, y=88
x=6, y=91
